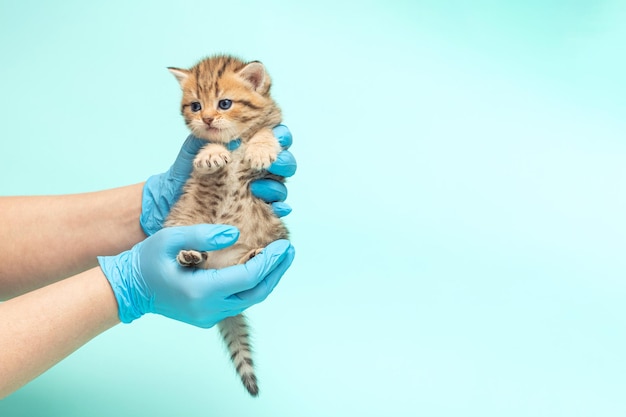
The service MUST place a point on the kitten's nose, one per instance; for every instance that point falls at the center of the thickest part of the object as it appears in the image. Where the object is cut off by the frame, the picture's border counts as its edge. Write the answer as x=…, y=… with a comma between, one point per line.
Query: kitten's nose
x=207, y=120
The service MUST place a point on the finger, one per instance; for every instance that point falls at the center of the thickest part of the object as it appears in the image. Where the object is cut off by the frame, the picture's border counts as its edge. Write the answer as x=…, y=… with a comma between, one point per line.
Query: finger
x=200, y=237
x=282, y=133
x=183, y=165
x=265, y=287
x=269, y=191
x=233, y=144
x=239, y=278
x=285, y=165
x=281, y=209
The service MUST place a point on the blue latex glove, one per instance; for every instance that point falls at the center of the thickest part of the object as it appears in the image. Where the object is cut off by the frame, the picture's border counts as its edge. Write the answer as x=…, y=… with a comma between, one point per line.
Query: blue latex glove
x=161, y=191
x=148, y=279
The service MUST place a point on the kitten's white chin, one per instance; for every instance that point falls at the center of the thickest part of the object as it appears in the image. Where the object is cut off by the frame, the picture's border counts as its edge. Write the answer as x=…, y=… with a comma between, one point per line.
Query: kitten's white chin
x=213, y=134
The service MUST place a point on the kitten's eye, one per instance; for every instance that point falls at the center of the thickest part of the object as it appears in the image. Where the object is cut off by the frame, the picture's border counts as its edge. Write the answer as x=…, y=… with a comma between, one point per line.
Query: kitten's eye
x=225, y=104
x=196, y=107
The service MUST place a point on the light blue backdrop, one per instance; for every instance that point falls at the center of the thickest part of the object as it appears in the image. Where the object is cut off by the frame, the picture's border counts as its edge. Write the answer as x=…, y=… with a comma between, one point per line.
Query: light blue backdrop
x=459, y=209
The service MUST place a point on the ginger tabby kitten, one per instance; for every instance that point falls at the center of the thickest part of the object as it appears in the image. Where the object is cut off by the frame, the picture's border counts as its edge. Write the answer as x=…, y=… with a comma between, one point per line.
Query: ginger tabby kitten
x=224, y=99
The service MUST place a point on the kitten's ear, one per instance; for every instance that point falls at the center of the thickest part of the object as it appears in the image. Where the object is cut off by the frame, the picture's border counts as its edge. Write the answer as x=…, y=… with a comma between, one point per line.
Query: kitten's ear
x=180, y=74
x=255, y=74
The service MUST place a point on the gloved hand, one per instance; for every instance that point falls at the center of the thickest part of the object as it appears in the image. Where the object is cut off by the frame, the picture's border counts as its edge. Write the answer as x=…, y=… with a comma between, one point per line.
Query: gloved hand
x=161, y=191
x=148, y=279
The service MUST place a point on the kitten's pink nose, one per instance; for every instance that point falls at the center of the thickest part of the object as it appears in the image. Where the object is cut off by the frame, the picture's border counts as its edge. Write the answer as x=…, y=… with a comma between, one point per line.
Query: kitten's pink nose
x=207, y=120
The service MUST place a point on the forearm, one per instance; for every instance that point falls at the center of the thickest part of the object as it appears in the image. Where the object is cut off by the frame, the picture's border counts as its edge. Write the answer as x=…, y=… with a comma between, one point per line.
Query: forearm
x=47, y=238
x=39, y=329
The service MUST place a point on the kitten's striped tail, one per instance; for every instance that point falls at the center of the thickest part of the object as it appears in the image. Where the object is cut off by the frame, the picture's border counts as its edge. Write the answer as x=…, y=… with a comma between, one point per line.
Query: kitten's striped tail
x=234, y=331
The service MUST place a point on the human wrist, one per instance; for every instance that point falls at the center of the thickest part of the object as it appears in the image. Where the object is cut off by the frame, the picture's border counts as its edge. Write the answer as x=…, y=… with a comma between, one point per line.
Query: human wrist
x=117, y=270
x=118, y=211
x=156, y=201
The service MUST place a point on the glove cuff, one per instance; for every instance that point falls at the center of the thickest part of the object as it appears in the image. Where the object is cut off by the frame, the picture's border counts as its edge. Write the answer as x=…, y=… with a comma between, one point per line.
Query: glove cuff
x=154, y=206
x=127, y=304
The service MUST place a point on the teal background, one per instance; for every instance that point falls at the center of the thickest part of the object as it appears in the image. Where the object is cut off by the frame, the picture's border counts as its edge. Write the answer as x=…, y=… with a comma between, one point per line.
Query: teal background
x=459, y=206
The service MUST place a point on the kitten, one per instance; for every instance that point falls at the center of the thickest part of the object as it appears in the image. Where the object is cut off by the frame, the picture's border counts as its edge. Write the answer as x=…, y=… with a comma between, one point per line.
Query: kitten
x=225, y=98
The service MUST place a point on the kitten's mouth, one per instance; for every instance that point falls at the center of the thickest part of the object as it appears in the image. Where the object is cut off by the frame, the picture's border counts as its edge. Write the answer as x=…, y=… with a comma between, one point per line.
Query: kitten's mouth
x=213, y=133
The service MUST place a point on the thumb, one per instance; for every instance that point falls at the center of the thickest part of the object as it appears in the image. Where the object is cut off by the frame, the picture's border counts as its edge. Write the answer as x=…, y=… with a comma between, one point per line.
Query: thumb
x=183, y=165
x=201, y=237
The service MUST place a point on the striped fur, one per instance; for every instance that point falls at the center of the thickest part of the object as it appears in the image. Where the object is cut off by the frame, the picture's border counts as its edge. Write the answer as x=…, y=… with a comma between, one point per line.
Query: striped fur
x=218, y=190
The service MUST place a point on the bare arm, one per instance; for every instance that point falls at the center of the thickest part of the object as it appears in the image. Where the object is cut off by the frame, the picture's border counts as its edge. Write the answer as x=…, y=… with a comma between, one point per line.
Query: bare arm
x=42, y=327
x=46, y=238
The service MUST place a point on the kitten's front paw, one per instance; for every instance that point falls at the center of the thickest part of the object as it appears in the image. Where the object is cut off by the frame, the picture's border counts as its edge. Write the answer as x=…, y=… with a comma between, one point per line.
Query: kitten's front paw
x=211, y=158
x=260, y=157
x=190, y=258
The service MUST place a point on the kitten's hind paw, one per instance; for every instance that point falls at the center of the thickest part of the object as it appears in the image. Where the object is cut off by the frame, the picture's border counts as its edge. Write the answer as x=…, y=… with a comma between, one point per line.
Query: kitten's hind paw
x=250, y=255
x=190, y=258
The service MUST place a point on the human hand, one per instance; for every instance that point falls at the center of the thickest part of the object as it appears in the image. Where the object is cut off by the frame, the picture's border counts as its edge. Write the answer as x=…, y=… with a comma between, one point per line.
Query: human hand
x=161, y=191
x=148, y=279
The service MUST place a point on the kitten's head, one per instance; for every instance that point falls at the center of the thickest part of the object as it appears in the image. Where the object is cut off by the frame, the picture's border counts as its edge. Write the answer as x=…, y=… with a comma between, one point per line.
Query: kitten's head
x=224, y=98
